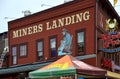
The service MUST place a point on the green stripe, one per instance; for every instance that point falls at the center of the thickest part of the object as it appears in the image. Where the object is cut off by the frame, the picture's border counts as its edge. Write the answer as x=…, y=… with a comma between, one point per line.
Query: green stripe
x=51, y=73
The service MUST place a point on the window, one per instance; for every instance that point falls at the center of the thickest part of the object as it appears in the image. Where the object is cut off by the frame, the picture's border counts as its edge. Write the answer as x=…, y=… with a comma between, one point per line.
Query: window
x=40, y=49
x=53, y=48
x=80, y=42
x=14, y=55
x=23, y=50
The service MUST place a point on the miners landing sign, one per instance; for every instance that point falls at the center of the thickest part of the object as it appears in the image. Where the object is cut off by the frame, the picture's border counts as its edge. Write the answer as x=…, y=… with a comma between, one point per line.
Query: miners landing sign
x=57, y=23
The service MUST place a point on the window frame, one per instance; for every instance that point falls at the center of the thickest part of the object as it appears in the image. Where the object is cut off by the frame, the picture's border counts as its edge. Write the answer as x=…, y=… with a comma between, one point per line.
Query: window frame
x=23, y=56
x=14, y=55
x=50, y=53
x=84, y=52
x=40, y=40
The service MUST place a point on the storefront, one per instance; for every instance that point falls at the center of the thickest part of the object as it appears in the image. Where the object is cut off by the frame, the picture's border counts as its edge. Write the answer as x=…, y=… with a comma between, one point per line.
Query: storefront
x=38, y=39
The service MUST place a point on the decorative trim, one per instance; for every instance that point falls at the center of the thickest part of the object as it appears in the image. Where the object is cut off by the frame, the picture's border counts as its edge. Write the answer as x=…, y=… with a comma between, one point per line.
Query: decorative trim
x=86, y=56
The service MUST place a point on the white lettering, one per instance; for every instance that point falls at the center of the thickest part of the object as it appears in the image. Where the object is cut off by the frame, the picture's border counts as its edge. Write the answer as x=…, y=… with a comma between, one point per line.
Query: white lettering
x=54, y=24
x=73, y=19
x=29, y=30
x=86, y=16
x=15, y=34
x=64, y=21
x=24, y=32
x=40, y=28
x=68, y=20
x=79, y=17
x=35, y=29
x=48, y=27
x=60, y=22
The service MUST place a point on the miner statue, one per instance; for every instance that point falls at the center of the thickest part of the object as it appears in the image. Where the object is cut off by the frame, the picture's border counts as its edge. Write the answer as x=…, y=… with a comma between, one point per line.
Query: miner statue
x=65, y=46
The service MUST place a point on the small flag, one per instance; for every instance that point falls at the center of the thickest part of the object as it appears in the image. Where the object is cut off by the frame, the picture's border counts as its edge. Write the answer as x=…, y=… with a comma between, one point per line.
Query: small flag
x=115, y=2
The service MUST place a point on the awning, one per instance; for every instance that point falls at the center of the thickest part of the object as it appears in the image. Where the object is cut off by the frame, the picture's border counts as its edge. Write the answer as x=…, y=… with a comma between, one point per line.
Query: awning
x=34, y=66
x=22, y=68
x=66, y=66
x=113, y=75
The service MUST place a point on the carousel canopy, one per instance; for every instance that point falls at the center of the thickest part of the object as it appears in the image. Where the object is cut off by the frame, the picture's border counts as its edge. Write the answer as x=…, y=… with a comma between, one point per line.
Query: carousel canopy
x=66, y=66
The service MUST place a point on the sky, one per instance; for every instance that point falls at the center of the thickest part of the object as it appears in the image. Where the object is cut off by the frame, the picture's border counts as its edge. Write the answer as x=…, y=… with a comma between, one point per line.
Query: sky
x=13, y=9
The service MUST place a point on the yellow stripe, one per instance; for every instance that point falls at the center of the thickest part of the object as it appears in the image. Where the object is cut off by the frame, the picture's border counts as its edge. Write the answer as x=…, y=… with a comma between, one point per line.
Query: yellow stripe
x=113, y=74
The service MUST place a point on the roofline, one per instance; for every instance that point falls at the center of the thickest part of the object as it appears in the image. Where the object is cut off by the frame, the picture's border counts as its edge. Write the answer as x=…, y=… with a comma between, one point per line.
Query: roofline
x=113, y=12
x=24, y=67
x=49, y=9
x=4, y=33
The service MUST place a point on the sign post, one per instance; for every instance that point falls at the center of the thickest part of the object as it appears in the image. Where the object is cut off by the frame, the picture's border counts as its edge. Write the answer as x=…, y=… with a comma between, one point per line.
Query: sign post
x=111, y=43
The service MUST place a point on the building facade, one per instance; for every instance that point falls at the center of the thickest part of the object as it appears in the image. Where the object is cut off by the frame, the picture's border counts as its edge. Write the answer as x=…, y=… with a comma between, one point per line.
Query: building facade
x=4, y=48
x=34, y=40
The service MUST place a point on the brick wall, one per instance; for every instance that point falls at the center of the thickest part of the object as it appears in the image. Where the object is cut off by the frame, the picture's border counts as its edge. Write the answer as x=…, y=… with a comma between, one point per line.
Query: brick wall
x=48, y=16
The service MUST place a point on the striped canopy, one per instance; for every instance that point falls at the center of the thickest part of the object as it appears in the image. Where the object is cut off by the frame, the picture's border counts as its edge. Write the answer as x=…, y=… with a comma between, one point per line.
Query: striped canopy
x=66, y=66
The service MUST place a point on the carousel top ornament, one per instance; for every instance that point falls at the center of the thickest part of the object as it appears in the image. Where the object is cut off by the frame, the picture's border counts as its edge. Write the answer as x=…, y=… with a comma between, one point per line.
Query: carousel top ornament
x=111, y=25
